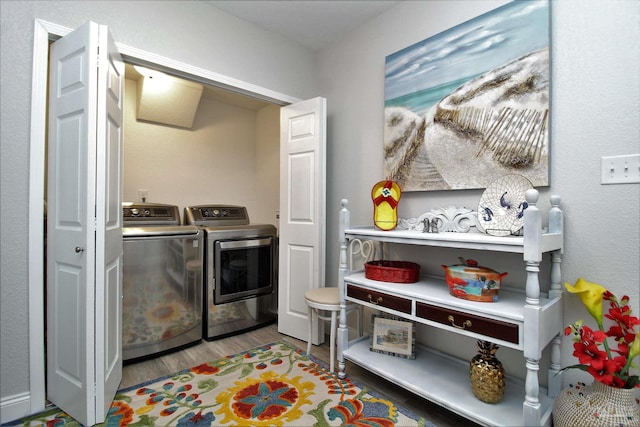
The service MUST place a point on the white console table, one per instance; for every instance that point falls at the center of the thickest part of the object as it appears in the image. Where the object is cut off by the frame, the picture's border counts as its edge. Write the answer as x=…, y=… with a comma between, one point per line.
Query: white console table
x=526, y=321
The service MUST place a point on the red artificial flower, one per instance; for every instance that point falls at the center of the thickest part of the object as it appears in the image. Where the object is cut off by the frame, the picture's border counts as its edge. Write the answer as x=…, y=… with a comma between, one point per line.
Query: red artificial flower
x=607, y=365
x=590, y=354
x=622, y=316
x=589, y=336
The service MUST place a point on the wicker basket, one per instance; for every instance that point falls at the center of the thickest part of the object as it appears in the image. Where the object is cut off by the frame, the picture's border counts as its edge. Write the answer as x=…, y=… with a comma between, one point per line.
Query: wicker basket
x=392, y=271
x=596, y=405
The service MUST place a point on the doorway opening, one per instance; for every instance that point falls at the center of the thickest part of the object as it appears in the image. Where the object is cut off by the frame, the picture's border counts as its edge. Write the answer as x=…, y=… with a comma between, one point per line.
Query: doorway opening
x=44, y=33
x=189, y=144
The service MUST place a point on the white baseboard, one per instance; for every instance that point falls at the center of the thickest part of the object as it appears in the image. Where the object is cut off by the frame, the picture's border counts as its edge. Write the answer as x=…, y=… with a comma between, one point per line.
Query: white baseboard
x=14, y=407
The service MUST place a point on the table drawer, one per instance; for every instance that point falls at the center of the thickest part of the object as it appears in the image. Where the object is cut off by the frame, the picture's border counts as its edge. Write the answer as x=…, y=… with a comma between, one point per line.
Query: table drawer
x=469, y=322
x=393, y=302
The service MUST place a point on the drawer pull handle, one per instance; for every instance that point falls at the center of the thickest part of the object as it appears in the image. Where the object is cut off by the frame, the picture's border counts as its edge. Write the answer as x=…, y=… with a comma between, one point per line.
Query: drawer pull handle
x=376, y=302
x=465, y=324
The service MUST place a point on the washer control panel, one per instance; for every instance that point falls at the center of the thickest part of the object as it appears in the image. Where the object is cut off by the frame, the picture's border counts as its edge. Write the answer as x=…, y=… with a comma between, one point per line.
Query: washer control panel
x=214, y=215
x=150, y=214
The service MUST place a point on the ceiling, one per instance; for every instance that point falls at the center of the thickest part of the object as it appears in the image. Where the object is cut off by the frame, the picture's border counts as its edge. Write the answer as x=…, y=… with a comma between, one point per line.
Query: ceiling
x=218, y=94
x=312, y=23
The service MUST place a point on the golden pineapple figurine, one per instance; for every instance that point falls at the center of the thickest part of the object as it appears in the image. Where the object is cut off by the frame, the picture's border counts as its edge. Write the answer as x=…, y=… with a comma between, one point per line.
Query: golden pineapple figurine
x=487, y=373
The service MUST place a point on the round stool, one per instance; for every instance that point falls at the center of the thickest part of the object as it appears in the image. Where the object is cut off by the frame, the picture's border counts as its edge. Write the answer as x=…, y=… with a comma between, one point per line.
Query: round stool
x=328, y=299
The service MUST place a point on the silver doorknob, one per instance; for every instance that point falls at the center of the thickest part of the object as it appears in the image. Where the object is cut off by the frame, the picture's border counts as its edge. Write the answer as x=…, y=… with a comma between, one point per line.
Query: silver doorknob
x=79, y=249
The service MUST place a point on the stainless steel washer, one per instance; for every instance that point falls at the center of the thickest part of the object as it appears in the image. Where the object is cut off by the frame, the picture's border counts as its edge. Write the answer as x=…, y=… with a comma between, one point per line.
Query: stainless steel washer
x=162, y=281
x=240, y=259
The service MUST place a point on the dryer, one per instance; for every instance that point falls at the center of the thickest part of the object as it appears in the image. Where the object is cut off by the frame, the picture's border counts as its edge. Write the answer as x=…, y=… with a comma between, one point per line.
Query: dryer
x=240, y=283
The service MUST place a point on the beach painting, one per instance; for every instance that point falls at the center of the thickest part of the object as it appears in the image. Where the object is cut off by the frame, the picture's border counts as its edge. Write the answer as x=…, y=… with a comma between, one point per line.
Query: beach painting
x=471, y=104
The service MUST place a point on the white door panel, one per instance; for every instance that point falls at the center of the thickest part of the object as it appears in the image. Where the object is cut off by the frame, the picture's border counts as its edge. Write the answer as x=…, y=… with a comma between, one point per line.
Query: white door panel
x=301, y=190
x=109, y=226
x=301, y=260
x=302, y=212
x=84, y=240
x=70, y=237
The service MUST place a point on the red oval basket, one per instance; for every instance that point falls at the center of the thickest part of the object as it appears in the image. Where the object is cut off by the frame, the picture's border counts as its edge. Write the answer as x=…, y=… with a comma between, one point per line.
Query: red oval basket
x=392, y=271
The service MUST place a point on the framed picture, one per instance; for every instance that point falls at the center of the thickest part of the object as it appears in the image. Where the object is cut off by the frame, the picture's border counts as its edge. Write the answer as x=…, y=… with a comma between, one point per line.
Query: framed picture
x=476, y=95
x=394, y=336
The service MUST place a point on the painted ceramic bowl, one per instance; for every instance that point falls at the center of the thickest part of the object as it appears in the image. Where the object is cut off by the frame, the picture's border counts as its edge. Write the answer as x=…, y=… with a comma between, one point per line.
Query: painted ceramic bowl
x=472, y=282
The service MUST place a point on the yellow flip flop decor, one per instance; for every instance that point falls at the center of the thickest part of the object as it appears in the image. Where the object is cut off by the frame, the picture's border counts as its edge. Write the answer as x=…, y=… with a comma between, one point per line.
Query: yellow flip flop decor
x=385, y=196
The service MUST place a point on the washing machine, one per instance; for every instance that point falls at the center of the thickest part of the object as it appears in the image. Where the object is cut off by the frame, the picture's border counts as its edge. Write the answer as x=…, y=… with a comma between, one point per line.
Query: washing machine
x=162, y=281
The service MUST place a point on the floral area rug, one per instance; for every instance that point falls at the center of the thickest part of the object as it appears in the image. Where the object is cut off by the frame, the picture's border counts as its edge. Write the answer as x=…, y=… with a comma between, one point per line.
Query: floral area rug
x=271, y=385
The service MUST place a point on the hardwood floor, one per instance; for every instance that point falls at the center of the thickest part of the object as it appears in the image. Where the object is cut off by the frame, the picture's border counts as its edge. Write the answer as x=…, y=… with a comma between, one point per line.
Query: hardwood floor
x=205, y=351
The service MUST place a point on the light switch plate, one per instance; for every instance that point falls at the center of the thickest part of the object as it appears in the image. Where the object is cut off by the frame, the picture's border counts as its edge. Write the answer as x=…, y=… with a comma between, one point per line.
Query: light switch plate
x=621, y=169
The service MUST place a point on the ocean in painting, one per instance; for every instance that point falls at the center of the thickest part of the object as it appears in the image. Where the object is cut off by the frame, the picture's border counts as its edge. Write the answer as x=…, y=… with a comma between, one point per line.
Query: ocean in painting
x=419, y=102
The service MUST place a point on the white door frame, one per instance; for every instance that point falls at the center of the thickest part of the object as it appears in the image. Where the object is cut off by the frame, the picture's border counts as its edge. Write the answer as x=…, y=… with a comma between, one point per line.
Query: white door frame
x=44, y=32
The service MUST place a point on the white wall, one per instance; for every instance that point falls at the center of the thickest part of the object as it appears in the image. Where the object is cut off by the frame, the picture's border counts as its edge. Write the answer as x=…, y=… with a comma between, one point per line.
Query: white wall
x=594, y=112
x=267, y=173
x=226, y=157
x=187, y=31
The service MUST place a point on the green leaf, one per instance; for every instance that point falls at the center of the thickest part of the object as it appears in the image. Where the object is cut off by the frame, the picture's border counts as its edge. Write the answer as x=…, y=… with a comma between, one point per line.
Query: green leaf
x=318, y=414
x=145, y=421
x=206, y=385
x=123, y=397
x=632, y=381
x=246, y=370
x=183, y=376
x=231, y=369
x=581, y=367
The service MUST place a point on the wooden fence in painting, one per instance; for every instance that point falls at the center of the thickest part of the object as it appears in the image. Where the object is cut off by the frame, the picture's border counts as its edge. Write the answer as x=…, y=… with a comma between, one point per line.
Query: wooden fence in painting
x=517, y=137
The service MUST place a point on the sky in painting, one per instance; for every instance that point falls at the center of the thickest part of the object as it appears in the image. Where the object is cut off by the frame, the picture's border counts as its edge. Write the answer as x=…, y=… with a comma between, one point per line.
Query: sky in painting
x=469, y=49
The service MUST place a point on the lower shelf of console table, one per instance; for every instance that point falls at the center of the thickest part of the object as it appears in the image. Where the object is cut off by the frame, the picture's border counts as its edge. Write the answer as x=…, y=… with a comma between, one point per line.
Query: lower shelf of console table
x=444, y=380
